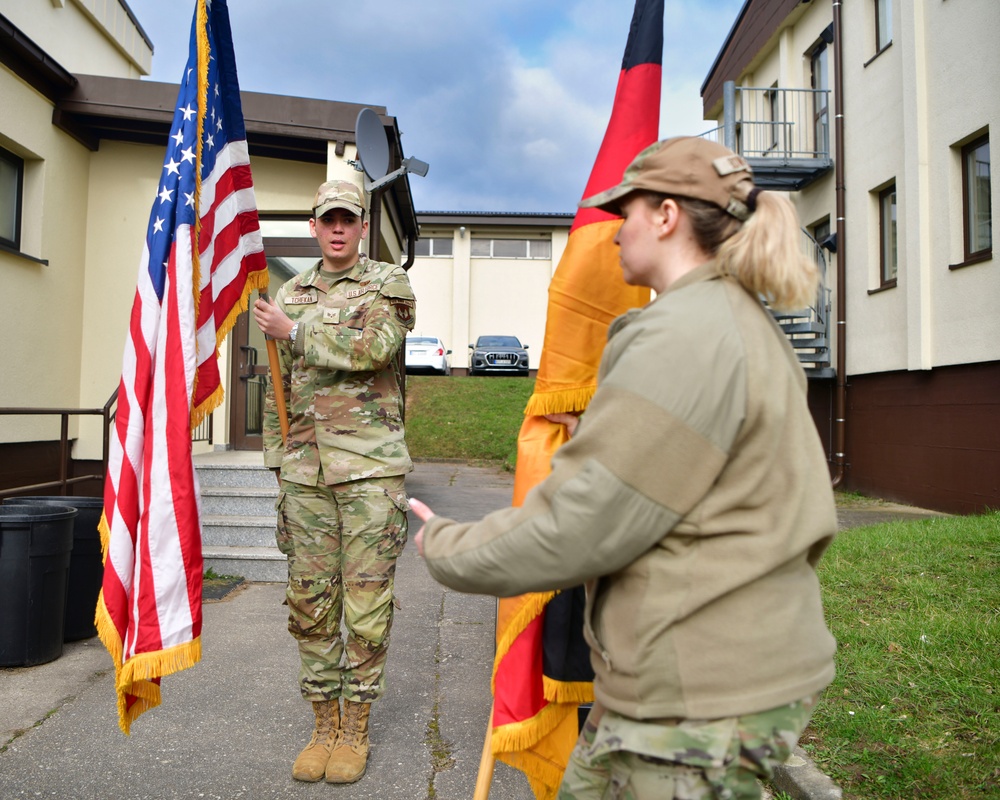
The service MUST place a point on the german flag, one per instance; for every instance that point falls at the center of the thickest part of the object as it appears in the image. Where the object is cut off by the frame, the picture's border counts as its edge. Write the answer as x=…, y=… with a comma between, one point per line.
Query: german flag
x=541, y=671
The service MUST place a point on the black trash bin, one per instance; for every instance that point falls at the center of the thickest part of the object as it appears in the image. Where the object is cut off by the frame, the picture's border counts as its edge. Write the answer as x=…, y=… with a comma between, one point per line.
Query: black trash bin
x=35, y=547
x=86, y=565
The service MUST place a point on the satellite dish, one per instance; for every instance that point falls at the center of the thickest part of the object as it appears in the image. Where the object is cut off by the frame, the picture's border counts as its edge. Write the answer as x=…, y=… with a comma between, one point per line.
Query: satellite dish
x=373, y=146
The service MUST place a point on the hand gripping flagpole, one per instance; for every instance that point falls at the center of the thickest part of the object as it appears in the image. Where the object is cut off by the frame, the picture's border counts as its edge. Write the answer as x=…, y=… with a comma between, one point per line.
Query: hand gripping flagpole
x=276, y=382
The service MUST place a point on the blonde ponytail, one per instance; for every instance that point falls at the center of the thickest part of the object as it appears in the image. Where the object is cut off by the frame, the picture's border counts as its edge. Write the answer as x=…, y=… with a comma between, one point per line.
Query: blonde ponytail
x=766, y=257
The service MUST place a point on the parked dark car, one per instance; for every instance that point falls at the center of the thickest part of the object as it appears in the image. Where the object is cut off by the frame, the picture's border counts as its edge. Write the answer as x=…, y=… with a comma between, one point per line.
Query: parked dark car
x=498, y=355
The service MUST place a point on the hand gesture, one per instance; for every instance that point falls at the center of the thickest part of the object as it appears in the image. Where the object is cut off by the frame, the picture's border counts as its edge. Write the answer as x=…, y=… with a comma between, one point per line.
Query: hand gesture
x=424, y=512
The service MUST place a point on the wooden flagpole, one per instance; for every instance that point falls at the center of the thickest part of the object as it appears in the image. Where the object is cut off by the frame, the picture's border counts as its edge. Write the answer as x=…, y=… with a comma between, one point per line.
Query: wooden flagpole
x=276, y=382
x=486, y=762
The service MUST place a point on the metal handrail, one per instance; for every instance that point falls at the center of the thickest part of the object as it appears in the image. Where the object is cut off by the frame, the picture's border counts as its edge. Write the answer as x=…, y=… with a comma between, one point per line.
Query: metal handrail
x=774, y=122
x=107, y=412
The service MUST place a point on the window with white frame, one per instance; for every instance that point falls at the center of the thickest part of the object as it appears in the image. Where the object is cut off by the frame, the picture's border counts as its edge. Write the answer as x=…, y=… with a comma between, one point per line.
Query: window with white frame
x=11, y=194
x=434, y=246
x=883, y=24
x=889, y=254
x=977, y=201
x=512, y=248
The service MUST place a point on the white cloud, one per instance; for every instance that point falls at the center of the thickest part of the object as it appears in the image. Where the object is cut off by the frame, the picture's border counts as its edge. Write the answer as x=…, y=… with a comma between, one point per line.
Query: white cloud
x=506, y=99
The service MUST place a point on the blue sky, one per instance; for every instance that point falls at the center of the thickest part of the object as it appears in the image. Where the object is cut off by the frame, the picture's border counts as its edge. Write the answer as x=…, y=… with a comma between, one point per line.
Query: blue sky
x=507, y=100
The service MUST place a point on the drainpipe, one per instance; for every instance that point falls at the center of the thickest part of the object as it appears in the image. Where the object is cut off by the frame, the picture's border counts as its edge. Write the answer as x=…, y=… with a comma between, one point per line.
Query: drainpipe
x=411, y=251
x=840, y=394
x=729, y=115
x=375, y=226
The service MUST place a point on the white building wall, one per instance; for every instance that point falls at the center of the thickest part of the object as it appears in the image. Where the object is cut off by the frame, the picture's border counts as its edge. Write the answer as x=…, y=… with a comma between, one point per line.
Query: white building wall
x=510, y=298
x=460, y=298
x=964, y=100
x=907, y=113
x=433, y=282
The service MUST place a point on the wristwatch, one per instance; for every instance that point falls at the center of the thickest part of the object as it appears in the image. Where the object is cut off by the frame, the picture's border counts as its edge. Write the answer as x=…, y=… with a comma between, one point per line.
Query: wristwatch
x=293, y=333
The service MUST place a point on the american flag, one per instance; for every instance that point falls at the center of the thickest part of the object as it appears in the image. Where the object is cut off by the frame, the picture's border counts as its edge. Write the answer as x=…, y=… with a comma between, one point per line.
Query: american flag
x=203, y=255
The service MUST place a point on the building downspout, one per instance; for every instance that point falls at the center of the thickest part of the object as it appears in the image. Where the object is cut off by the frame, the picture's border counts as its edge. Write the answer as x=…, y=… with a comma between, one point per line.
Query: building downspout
x=840, y=392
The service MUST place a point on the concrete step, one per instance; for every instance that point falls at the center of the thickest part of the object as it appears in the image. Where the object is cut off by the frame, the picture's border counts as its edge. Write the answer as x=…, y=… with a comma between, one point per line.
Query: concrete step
x=237, y=476
x=258, y=564
x=243, y=501
x=238, y=520
x=233, y=531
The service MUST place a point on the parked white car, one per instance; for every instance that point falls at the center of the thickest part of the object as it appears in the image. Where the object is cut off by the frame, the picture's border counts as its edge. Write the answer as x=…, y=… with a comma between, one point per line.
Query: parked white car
x=426, y=354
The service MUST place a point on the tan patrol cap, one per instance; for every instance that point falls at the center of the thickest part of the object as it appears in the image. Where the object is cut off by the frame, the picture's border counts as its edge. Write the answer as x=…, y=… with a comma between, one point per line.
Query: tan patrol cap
x=686, y=166
x=338, y=194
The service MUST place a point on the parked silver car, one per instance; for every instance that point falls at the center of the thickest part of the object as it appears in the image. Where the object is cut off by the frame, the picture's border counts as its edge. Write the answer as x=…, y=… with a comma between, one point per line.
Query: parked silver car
x=426, y=354
x=498, y=355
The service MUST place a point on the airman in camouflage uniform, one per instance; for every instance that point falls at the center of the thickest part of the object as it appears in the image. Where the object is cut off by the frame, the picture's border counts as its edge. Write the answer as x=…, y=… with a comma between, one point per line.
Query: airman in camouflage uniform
x=618, y=758
x=342, y=506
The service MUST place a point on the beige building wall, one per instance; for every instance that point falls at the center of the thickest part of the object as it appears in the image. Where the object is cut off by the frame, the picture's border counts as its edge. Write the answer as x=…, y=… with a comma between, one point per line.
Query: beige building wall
x=92, y=37
x=45, y=352
x=42, y=315
x=908, y=111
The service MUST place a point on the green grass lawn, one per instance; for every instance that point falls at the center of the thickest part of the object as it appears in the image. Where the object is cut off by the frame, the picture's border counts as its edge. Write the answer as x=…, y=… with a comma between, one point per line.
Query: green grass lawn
x=475, y=419
x=914, y=711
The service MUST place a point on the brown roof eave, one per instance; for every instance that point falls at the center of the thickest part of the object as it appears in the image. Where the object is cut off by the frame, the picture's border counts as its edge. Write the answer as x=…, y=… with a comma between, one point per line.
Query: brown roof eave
x=31, y=63
x=756, y=23
x=291, y=128
x=485, y=219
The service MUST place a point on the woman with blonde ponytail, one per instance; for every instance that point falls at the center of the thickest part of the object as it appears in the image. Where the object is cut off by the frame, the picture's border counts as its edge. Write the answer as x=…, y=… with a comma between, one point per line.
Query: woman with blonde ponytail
x=693, y=499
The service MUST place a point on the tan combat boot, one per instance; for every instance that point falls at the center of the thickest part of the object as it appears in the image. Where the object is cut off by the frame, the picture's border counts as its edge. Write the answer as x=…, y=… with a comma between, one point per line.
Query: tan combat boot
x=350, y=754
x=311, y=763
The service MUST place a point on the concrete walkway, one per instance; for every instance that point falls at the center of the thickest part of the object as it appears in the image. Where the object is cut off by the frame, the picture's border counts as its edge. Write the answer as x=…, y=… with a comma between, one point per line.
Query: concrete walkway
x=231, y=726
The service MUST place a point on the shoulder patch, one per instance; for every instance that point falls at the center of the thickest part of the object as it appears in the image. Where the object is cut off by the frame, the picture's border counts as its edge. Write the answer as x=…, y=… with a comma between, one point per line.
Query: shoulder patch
x=404, y=310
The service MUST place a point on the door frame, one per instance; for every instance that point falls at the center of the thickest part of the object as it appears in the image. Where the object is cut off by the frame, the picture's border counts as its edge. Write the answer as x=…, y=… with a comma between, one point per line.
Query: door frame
x=246, y=363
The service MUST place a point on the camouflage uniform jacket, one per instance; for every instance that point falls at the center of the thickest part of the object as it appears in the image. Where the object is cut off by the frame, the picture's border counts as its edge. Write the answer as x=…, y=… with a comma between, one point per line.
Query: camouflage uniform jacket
x=694, y=500
x=345, y=407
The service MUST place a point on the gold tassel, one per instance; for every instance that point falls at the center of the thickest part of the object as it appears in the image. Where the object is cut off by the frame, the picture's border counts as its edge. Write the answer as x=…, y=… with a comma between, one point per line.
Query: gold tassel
x=559, y=401
x=575, y=692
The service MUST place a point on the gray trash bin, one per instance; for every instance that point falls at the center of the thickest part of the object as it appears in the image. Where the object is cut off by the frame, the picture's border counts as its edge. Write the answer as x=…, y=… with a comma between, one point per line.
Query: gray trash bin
x=86, y=564
x=35, y=547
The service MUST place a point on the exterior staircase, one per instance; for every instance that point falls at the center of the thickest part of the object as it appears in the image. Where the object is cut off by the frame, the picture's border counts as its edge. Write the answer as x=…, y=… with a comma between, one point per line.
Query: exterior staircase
x=237, y=514
x=808, y=335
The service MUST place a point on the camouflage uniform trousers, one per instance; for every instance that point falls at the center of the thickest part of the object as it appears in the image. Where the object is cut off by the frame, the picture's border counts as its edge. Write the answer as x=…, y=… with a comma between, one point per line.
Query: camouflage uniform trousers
x=617, y=758
x=342, y=543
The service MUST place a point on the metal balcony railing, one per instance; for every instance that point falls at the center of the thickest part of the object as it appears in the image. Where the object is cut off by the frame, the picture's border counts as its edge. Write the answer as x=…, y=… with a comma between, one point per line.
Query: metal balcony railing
x=783, y=133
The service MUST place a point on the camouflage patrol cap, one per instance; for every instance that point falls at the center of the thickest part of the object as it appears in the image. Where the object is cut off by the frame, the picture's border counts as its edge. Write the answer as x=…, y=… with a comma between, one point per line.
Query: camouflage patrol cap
x=686, y=166
x=338, y=194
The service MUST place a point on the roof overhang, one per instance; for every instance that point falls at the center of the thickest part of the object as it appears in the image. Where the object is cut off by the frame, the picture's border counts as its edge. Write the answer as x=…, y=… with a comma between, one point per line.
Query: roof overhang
x=31, y=63
x=278, y=126
x=756, y=24
x=517, y=219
